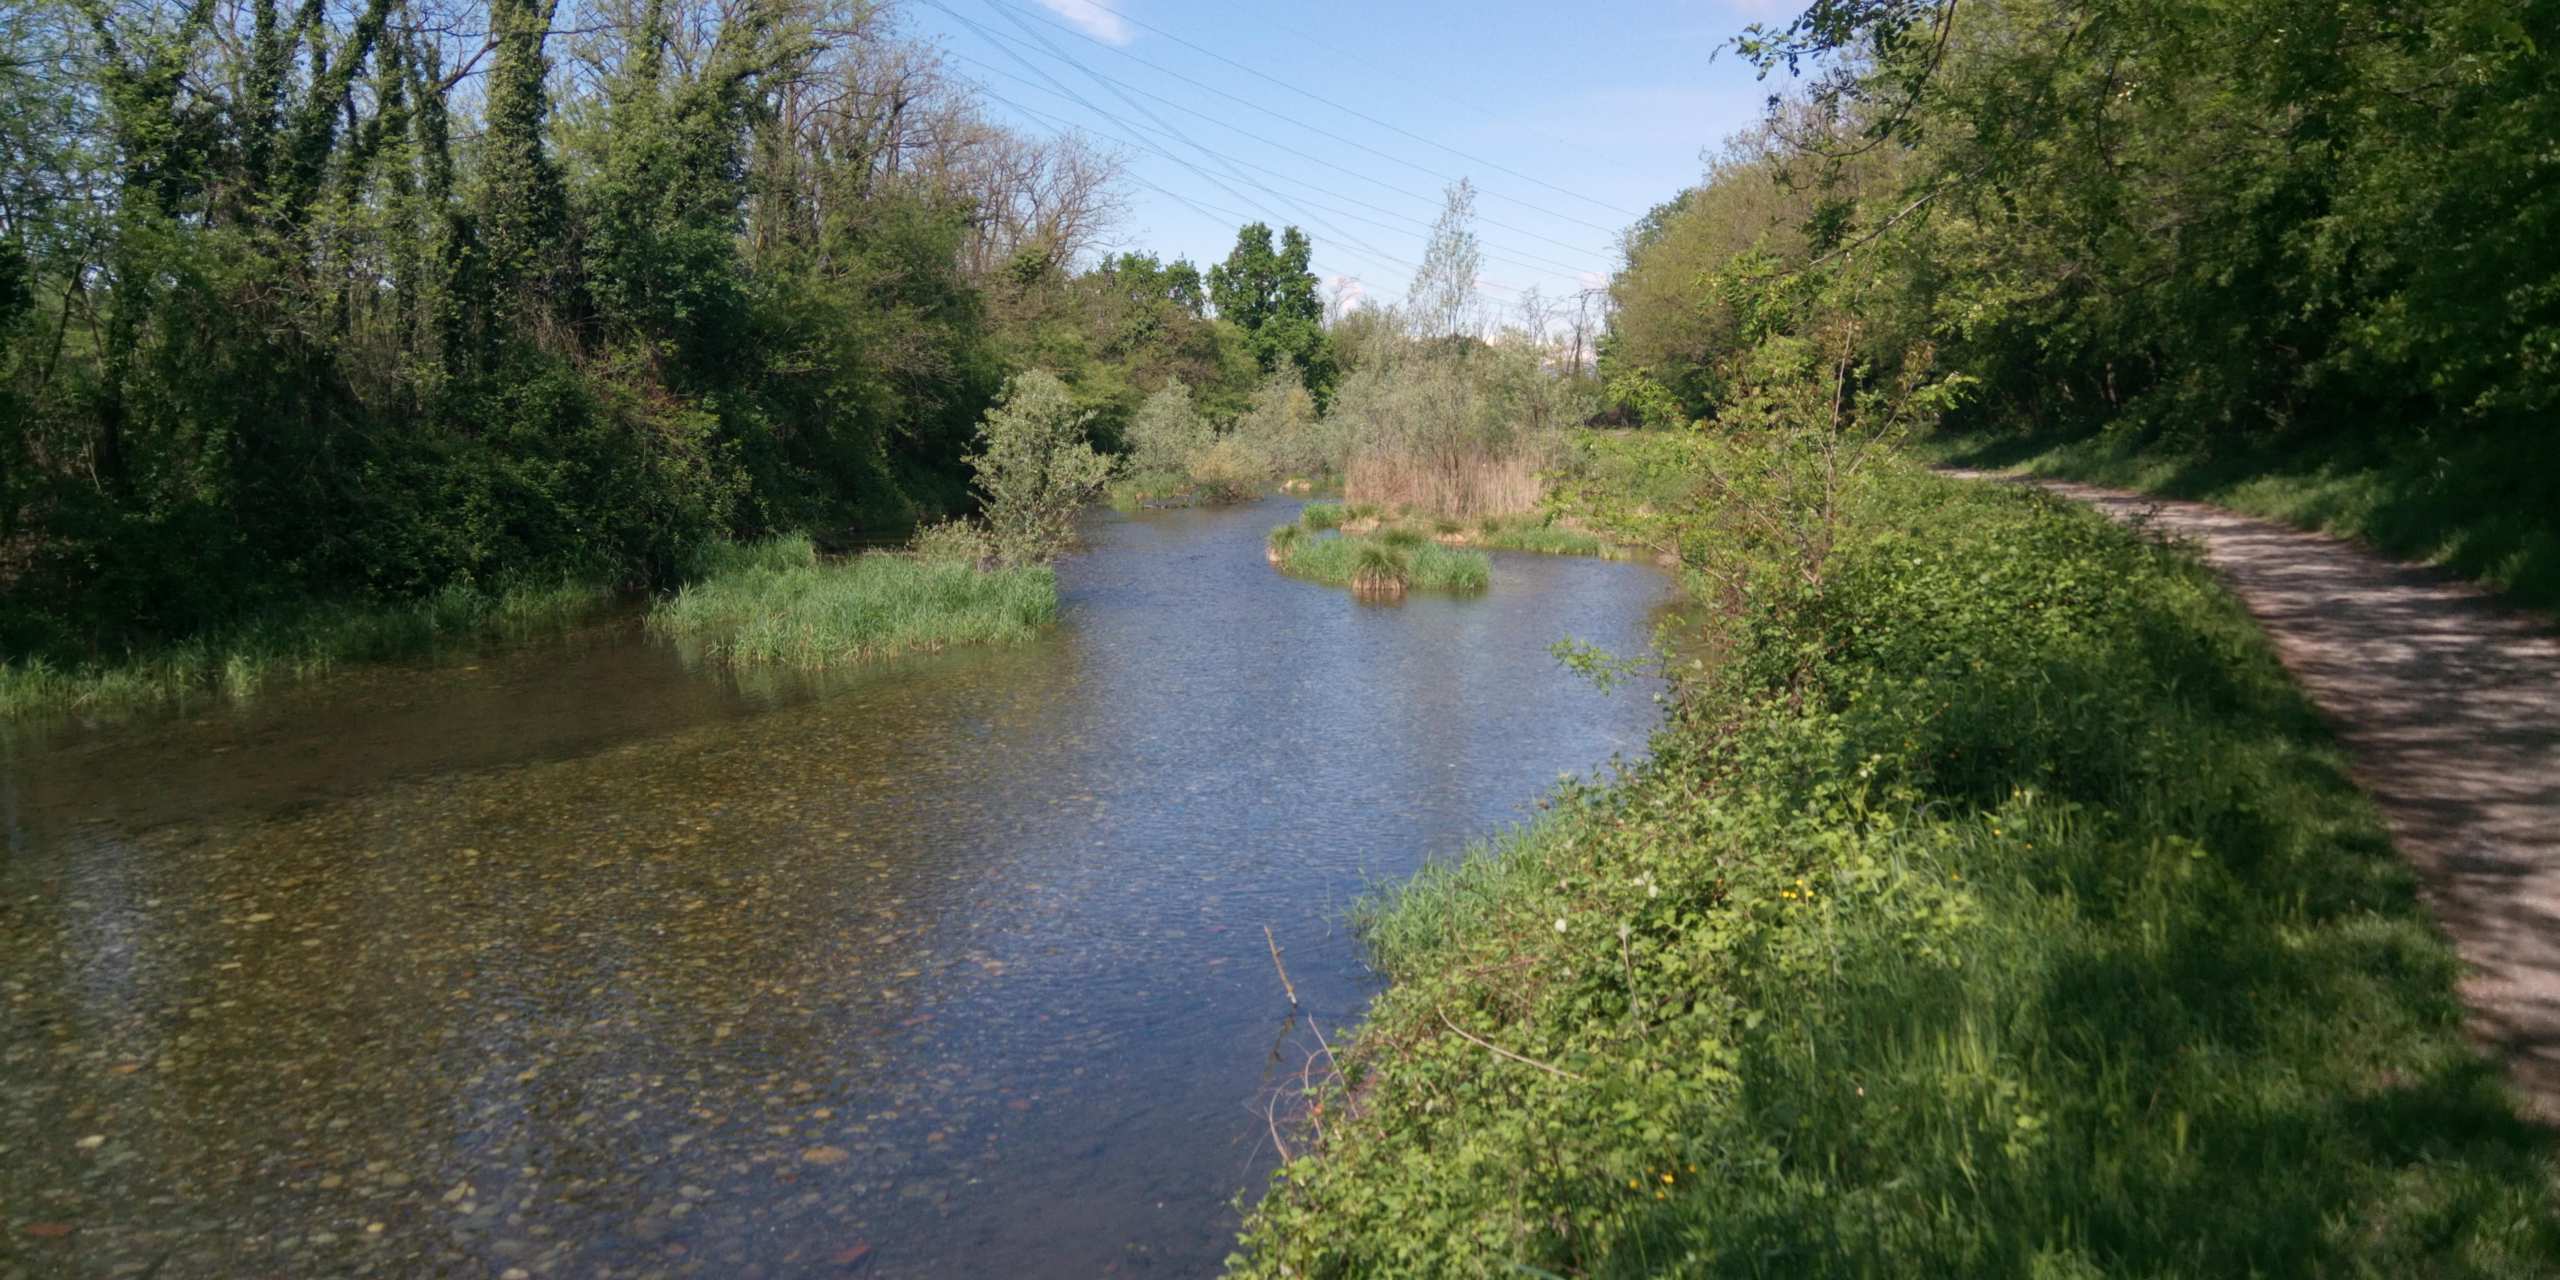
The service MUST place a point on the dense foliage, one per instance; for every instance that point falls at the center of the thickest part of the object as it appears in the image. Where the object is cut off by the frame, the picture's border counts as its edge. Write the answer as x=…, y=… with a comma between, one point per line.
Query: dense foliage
x=399, y=299
x=1992, y=906
x=2315, y=239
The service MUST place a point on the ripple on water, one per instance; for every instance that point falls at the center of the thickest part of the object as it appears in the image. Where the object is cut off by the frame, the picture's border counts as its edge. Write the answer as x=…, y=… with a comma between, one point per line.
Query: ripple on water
x=572, y=958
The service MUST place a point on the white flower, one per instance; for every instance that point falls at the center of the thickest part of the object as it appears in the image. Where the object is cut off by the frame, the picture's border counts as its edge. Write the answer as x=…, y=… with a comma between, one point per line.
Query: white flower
x=1559, y=924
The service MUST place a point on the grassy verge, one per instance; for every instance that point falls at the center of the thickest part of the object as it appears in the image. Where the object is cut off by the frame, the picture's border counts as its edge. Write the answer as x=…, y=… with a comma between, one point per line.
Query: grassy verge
x=237, y=661
x=777, y=602
x=1996, y=908
x=2486, y=507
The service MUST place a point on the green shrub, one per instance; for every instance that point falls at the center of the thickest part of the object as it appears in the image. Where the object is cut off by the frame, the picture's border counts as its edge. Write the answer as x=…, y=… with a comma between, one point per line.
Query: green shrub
x=1231, y=469
x=1167, y=432
x=1035, y=469
x=1997, y=908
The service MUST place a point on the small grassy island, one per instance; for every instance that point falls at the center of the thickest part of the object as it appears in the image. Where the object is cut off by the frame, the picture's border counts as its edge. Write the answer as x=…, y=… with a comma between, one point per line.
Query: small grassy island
x=1381, y=566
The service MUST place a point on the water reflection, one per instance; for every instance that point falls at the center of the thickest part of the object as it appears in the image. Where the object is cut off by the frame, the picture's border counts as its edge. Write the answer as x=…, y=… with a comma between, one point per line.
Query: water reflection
x=581, y=963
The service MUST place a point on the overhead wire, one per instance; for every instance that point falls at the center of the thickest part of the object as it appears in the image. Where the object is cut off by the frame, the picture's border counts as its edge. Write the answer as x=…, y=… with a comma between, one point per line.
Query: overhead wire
x=1339, y=168
x=1159, y=149
x=1213, y=211
x=1524, y=260
x=1350, y=111
x=1311, y=128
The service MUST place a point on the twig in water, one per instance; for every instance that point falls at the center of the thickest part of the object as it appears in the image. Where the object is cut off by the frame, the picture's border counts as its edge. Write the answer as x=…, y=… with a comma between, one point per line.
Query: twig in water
x=1285, y=984
x=1271, y=1116
x=1499, y=1051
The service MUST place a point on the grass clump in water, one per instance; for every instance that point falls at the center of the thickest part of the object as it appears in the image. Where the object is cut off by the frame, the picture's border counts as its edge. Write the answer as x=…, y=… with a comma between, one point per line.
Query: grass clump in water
x=1379, y=573
x=1996, y=906
x=777, y=602
x=1285, y=540
x=1319, y=516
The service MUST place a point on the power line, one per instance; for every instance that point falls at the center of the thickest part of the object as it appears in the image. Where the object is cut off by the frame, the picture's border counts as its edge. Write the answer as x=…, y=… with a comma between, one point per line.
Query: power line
x=1212, y=211
x=1524, y=260
x=1195, y=170
x=1178, y=135
x=1303, y=93
x=1314, y=129
x=1338, y=168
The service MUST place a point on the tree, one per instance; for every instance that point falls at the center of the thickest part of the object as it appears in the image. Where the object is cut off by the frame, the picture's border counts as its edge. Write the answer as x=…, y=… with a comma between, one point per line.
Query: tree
x=1442, y=304
x=1271, y=293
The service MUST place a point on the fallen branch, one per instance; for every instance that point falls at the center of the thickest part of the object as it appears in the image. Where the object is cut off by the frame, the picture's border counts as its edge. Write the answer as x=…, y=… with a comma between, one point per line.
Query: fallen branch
x=1285, y=984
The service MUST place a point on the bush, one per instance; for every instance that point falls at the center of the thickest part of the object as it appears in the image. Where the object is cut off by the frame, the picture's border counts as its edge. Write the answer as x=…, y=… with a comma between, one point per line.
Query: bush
x=1035, y=469
x=1167, y=432
x=1459, y=434
x=1231, y=469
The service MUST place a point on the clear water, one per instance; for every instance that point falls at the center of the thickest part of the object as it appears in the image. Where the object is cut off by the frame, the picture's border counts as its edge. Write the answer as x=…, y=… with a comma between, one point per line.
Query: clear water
x=573, y=960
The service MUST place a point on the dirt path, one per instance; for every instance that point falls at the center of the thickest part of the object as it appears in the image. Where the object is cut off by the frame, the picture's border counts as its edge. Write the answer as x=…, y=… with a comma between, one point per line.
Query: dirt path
x=2450, y=709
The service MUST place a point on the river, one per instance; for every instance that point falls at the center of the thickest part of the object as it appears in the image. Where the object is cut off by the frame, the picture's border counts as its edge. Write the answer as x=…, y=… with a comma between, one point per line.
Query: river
x=569, y=959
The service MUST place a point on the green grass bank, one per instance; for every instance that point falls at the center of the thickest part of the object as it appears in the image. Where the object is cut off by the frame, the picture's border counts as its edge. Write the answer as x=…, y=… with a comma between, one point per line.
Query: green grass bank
x=777, y=601
x=1995, y=907
x=237, y=660
x=2485, y=505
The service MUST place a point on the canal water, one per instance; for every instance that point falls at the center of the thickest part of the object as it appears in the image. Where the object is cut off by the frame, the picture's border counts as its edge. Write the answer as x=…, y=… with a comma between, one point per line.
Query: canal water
x=571, y=960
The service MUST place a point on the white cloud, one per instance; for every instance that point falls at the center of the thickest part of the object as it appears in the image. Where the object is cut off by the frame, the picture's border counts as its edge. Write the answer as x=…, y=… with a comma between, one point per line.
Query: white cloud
x=1092, y=19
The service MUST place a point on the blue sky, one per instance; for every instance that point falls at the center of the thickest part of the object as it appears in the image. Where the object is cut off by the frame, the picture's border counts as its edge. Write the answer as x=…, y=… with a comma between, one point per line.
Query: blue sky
x=1570, y=123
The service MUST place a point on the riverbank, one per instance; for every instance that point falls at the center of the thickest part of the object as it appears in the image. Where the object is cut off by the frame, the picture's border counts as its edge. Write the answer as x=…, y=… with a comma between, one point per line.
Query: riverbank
x=236, y=661
x=2483, y=505
x=2000, y=908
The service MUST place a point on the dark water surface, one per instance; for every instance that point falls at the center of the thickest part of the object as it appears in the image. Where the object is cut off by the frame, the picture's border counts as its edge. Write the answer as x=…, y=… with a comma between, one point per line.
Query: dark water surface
x=572, y=961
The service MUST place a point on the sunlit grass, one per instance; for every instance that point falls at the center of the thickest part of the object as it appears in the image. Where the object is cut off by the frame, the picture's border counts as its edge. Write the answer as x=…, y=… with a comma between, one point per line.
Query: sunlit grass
x=778, y=602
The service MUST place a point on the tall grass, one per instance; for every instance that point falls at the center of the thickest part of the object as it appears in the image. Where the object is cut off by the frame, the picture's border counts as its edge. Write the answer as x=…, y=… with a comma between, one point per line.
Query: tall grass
x=239, y=660
x=1464, y=484
x=777, y=602
x=1996, y=907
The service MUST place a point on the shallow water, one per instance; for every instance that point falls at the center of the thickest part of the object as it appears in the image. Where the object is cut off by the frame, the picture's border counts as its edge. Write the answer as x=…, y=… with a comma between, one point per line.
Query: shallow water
x=574, y=961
